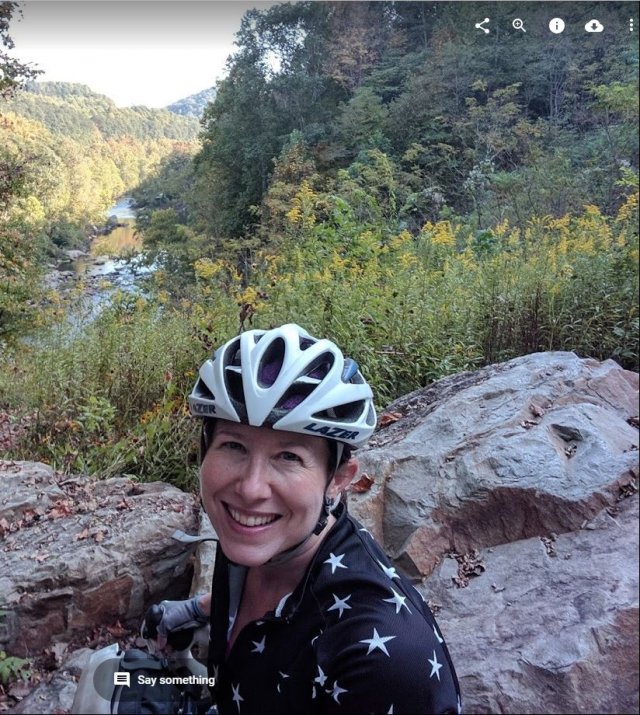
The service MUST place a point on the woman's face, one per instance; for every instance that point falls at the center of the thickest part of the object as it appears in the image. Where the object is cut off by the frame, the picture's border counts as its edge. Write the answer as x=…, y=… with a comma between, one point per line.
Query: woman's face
x=263, y=489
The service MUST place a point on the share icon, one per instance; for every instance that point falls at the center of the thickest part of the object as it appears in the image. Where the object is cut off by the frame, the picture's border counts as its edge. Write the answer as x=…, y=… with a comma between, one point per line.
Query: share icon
x=479, y=26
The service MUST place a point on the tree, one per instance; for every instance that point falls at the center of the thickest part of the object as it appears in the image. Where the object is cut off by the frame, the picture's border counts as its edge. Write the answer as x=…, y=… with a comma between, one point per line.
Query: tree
x=13, y=73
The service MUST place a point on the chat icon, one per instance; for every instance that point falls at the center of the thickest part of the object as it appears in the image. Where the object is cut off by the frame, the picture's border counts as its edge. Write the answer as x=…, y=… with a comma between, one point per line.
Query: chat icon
x=121, y=678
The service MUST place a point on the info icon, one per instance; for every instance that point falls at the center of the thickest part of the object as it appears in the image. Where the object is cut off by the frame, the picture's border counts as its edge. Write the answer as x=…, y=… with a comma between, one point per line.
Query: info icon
x=556, y=25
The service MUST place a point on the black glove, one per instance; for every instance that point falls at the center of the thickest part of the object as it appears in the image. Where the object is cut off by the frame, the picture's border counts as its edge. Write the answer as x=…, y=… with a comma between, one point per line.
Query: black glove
x=171, y=617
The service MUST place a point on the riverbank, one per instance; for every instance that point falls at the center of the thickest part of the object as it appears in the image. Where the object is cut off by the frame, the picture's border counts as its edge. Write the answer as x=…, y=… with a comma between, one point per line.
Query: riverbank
x=110, y=260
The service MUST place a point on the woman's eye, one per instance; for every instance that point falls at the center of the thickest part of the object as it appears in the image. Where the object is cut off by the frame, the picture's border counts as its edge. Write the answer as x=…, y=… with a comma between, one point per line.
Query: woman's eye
x=233, y=446
x=291, y=457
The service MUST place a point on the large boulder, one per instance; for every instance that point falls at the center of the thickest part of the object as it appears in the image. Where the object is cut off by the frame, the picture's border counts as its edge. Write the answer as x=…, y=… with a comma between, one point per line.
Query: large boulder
x=550, y=626
x=78, y=553
x=510, y=495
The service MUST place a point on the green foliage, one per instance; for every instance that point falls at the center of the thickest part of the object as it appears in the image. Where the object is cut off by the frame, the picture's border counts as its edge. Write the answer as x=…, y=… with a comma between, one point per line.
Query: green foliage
x=13, y=73
x=430, y=200
x=110, y=399
x=195, y=104
x=12, y=668
x=73, y=110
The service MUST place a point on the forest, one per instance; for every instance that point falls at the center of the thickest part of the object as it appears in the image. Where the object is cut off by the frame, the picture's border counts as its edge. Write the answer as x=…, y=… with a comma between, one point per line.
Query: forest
x=432, y=198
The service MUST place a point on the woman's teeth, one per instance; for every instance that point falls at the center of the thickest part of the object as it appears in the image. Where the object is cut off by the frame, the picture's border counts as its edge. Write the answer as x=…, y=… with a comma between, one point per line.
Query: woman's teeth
x=261, y=520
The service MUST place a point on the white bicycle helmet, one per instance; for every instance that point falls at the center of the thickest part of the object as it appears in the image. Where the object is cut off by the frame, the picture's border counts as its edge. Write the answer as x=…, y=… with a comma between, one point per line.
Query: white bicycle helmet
x=289, y=380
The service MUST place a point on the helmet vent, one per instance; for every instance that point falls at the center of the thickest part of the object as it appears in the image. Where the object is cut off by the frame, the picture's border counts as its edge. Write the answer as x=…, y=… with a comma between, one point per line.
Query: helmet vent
x=319, y=368
x=271, y=363
x=349, y=411
x=295, y=395
x=203, y=392
x=234, y=386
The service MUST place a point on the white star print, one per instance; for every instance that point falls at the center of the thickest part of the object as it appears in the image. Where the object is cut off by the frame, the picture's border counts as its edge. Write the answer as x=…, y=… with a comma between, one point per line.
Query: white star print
x=435, y=666
x=283, y=676
x=259, y=645
x=377, y=641
x=315, y=638
x=390, y=710
x=435, y=630
x=389, y=570
x=321, y=679
x=335, y=562
x=237, y=698
x=232, y=620
x=398, y=600
x=340, y=604
x=337, y=692
x=280, y=606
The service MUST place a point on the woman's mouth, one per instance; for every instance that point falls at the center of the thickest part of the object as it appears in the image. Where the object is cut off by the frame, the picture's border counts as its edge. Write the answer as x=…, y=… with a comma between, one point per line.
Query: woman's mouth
x=250, y=520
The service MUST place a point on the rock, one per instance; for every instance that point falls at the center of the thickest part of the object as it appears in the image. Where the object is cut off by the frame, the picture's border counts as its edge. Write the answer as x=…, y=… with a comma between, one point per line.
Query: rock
x=79, y=552
x=510, y=493
x=73, y=255
x=527, y=448
x=56, y=695
x=548, y=628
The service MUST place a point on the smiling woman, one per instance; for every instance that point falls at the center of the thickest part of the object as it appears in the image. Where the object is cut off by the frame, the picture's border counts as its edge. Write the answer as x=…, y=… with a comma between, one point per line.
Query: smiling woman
x=307, y=613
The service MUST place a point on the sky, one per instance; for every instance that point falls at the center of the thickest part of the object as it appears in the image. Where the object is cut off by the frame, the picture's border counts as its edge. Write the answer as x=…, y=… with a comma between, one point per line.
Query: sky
x=149, y=52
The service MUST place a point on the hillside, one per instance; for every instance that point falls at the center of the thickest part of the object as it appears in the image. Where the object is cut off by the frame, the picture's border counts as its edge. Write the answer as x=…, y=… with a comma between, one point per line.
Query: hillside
x=77, y=111
x=193, y=105
x=66, y=153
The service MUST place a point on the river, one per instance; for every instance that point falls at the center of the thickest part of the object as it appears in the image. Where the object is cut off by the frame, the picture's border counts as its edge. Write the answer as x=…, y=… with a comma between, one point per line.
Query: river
x=112, y=262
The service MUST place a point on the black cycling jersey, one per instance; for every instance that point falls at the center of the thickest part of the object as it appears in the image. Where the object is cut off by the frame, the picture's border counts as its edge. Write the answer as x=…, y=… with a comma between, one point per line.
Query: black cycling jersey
x=354, y=637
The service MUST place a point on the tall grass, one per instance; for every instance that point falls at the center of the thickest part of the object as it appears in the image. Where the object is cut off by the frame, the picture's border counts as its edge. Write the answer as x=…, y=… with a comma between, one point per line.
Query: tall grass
x=112, y=398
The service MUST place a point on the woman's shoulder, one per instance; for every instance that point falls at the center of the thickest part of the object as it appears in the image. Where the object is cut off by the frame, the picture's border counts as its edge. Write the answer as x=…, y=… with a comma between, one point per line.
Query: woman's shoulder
x=354, y=578
x=378, y=640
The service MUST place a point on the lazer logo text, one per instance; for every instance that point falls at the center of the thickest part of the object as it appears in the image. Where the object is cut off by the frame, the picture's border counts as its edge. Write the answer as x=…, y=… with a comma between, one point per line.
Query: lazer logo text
x=333, y=432
x=204, y=409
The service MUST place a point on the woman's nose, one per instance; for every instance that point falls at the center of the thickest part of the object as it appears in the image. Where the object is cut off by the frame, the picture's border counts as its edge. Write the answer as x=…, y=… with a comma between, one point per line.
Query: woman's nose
x=253, y=481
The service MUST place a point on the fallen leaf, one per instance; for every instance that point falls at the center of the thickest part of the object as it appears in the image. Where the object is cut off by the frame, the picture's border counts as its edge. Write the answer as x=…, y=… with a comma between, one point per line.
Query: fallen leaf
x=549, y=544
x=20, y=690
x=60, y=509
x=84, y=534
x=469, y=564
x=527, y=424
x=99, y=536
x=117, y=630
x=388, y=418
x=363, y=484
x=59, y=649
x=628, y=489
x=41, y=556
x=535, y=410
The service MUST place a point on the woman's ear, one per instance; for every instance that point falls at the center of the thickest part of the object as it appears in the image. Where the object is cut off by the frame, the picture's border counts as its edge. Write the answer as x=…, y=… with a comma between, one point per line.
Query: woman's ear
x=343, y=477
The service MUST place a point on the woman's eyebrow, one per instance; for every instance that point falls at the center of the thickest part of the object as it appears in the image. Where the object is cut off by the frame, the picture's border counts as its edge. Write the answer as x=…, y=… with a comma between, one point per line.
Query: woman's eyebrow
x=228, y=432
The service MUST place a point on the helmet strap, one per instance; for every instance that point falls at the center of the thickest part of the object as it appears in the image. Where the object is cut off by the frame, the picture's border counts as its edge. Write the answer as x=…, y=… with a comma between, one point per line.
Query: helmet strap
x=327, y=508
x=328, y=505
